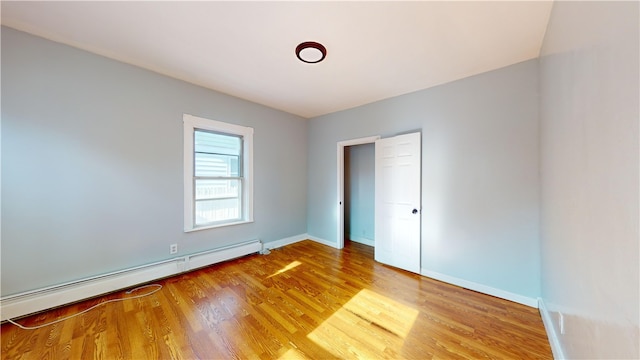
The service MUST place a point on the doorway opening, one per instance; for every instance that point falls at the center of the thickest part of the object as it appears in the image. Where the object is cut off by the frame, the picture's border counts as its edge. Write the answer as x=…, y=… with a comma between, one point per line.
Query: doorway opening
x=359, y=193
x=341, y=181
x=397, y=194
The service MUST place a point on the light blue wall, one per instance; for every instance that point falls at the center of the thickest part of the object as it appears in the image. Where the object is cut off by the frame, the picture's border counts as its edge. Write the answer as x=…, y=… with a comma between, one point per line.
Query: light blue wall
x=92, y=165
x=480, y=180
x=359, y=192
x=589, y=73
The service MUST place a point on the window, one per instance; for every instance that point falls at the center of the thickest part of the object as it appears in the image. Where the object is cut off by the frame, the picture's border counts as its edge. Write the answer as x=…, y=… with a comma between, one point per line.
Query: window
x=217, y=173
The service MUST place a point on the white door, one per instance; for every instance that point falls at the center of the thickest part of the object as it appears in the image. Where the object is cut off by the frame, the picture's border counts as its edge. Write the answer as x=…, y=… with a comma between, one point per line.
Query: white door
x=397, y=204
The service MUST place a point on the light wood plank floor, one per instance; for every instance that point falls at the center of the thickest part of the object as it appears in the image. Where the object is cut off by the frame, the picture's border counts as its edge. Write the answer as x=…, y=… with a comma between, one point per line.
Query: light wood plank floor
x=305, y=300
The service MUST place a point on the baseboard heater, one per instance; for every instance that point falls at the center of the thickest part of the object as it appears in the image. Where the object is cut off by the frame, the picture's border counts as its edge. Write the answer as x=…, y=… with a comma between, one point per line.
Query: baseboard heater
x=29, y=302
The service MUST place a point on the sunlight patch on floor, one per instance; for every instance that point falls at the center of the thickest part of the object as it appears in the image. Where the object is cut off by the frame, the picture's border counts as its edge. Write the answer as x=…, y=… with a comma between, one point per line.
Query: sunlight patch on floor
x=368, y=326
x=292, y=265
x=292, y=354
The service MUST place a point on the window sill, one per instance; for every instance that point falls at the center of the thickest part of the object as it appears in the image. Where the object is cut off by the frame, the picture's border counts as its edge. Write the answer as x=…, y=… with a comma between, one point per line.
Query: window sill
x=217, y=225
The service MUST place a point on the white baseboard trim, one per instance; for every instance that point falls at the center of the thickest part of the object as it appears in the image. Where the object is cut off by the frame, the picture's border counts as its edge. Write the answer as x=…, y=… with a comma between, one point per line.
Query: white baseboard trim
x=362, y=240
x=286, y=241
x=524, y=300
x=297, y=238
x=322, y=241
x=554, y=341
x=29, y=302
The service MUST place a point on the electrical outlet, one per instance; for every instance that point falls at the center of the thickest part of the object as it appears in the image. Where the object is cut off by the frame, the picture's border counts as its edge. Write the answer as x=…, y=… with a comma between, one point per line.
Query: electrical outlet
x=173, y=249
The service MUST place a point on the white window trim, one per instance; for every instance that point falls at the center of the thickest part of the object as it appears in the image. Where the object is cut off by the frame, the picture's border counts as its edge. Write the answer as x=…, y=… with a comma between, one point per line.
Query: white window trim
x=190, y=124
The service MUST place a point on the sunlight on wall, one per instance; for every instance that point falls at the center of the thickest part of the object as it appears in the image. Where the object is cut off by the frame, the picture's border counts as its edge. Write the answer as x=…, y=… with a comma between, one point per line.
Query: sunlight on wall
x=367, y=326
x=286, y=268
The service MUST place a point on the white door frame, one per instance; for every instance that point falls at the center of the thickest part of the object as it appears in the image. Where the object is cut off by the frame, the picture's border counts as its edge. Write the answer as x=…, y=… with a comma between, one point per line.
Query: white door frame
x=340, y=172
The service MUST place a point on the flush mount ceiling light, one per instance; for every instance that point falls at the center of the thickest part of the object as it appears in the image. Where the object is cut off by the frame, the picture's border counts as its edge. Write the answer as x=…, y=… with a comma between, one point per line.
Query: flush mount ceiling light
x=311, y=52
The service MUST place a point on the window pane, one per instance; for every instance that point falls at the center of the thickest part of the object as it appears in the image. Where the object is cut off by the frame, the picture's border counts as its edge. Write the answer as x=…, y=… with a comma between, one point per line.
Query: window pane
x=216, y=189
x=208, y=211
x=213, y=143
x=217, y=173
x=216, y=165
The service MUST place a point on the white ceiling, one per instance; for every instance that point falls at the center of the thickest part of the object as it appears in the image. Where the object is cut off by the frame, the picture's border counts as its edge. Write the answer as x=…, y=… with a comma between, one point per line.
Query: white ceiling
x=375, y=50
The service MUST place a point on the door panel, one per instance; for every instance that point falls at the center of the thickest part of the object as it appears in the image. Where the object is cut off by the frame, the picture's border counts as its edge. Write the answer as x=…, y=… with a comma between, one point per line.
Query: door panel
x=397, y=192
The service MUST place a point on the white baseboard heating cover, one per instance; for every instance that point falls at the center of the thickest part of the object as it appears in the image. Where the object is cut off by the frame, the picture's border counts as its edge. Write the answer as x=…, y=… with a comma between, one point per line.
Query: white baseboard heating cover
x=41, y=299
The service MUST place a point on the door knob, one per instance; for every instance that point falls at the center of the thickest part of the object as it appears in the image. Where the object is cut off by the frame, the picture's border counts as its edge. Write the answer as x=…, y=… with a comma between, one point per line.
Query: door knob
x=414, y=211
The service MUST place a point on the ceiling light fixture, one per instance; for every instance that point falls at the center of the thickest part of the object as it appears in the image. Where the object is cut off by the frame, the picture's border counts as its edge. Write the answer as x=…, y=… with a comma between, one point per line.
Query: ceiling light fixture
x=311, y=52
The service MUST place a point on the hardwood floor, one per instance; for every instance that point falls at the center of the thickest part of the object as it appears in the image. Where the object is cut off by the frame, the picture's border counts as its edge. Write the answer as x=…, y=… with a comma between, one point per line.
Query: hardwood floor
x=305, y=300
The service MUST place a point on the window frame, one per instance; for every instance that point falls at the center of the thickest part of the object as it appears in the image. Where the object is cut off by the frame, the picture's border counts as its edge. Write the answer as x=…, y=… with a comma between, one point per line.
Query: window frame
x=193, y=123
